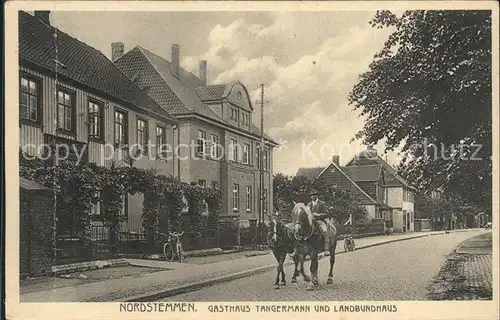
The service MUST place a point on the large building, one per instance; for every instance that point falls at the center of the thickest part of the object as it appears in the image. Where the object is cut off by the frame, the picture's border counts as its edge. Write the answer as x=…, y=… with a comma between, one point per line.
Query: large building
x=70, y=93
x=374, y=183
x=219, y=144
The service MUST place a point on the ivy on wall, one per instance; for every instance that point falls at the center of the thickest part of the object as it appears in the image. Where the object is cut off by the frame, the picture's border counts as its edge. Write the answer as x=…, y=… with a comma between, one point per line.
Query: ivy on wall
x=79, y=187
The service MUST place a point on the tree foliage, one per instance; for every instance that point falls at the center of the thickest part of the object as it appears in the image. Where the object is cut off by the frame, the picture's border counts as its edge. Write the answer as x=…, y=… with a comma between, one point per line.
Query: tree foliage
x=288, y=190
x=428, y=91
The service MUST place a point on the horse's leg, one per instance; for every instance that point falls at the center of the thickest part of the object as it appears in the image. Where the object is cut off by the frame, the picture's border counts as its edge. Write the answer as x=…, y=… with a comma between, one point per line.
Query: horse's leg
x=332, y=262
x=296, y=270
x=301, y=264
x=282, y=262
x=276, y=255
x=314, y=271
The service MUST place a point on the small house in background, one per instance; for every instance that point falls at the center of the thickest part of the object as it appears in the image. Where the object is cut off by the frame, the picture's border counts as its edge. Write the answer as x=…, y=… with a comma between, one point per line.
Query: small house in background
x=375, y=184
x=399, y=194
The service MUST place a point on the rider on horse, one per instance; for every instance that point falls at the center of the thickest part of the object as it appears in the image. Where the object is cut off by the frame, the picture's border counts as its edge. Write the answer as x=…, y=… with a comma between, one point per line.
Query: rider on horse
x=320, y=213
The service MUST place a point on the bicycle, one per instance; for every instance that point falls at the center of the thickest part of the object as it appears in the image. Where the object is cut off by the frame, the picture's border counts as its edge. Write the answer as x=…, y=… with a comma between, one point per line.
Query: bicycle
x=173, y=247
x=349, y=244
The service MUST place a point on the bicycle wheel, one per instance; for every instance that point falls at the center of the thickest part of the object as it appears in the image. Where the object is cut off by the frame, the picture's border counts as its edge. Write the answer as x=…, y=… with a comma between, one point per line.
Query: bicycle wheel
x=168, y=252
x=353, y=246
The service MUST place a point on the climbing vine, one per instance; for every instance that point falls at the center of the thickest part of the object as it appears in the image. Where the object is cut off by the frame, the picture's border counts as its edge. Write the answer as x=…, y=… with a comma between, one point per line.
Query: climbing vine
x=79, y=187
x=214, y=203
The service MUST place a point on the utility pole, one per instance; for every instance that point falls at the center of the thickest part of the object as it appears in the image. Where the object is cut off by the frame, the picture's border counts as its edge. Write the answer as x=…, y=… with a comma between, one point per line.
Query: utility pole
x=261, y=169
x=261, y=230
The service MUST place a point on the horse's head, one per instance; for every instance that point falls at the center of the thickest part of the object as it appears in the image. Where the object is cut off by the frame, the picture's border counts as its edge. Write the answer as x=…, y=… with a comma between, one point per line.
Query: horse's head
x=302, y=214
x=273, y=225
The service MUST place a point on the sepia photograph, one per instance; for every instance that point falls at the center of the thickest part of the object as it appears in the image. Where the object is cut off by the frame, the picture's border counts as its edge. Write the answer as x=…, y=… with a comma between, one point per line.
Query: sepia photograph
x=241, y=157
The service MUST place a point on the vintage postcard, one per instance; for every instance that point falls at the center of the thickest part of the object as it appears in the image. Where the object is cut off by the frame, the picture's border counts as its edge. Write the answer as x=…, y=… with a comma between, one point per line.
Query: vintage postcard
x=192, y=160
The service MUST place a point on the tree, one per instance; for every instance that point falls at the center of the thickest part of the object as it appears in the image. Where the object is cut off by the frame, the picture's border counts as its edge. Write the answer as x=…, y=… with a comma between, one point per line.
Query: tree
x=429, y=91
x=288, y=190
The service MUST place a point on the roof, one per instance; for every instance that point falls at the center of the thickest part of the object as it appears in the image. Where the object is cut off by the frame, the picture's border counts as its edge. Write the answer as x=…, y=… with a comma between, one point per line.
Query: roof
x=309, y=173
x=364, y=173
x=368, y=200
x=81, y=63
x=180, y=96
x=379, y=160
x=30, y=185
x=212, y=92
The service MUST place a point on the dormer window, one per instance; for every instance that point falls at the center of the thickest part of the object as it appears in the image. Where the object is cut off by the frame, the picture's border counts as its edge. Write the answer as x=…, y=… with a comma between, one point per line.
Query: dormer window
x=234, y=114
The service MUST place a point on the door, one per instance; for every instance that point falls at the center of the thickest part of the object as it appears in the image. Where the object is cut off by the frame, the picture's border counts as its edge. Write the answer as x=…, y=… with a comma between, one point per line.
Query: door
x=404, y=220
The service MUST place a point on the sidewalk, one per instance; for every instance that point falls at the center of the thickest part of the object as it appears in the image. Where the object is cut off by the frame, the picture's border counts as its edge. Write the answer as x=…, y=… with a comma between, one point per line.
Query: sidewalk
x=467, y=272
x=183, y=277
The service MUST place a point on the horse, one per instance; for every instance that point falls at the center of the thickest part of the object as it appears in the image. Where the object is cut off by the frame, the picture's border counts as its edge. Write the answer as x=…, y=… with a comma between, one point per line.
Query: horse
x=282, y=242
x=311, y=242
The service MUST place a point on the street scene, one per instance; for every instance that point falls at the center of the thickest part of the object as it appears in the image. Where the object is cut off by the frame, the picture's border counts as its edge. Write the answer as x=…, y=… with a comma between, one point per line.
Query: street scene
x=255, y=156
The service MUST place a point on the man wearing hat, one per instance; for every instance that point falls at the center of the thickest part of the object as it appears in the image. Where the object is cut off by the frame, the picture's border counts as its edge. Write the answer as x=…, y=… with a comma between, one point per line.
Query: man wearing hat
x=320, y=212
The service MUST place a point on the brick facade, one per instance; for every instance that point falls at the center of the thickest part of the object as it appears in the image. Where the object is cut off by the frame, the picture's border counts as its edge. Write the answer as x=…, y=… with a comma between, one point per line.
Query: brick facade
x=36, y=230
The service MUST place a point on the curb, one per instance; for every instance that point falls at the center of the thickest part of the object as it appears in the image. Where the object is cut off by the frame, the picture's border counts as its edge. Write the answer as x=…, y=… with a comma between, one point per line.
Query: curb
x=165, y=293
x=85, y=266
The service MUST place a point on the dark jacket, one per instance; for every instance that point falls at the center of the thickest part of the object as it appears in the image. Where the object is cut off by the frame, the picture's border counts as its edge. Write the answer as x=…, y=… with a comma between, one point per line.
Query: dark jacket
x=319, y=208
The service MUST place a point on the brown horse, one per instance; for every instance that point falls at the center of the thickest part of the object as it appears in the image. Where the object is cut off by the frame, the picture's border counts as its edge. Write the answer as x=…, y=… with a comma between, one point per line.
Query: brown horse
x=311, y=242
x=282, y=242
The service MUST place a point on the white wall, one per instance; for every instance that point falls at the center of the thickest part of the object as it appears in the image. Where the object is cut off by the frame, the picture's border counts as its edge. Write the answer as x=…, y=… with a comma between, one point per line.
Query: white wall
x=397, y=219
x=371, y=211
x=395, y=197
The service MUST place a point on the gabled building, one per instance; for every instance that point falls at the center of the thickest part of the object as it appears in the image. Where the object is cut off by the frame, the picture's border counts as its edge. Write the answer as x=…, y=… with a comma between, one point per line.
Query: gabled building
x=400, y=195
x=219, y=144
x=364, y=184
x=373, y=182
x=70, y=93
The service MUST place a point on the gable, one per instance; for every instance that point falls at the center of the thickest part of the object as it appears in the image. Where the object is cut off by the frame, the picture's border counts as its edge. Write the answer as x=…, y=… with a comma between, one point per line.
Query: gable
x=238, y=95
x=334, y=176
x=392, y=178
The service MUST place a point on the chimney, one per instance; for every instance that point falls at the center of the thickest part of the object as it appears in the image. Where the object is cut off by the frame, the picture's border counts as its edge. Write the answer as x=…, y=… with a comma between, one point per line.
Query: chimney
x=176, y=68
x=203, y=72
x=371, y=152
x=336, y=159
x=117, y=50
x=44, y=16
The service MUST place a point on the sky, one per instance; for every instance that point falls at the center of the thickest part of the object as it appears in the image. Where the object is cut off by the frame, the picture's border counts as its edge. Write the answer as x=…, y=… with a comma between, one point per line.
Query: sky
x=308, y=62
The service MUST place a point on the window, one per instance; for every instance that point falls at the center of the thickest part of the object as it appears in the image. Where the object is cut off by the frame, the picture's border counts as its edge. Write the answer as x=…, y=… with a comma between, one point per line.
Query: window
x=121, y=128
x=125, y=206
x=234, y=151
x=239, y=95
x=214, y=150
x=236, y=195
x=215, y=185
x=202, y=137
x=245, y=119
x=142, y=134
x=96, y=122
x=234, y=114
x=264, y=159
x=246, y=153
x=161, y=141
x=264, y=196
x=65, y=110
x=29, y=99
x=257, y=155
x=249, y=198
x=95, y=210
